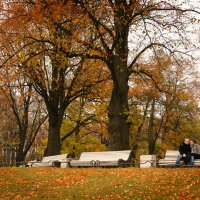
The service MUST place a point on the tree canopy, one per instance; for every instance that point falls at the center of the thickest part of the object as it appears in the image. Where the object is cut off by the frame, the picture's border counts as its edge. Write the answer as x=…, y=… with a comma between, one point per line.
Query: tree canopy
x=117, y=72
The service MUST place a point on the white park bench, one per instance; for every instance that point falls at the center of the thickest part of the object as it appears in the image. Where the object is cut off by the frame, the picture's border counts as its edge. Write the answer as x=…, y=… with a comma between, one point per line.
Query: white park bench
x=103, y=159
x=170, y=159
x=51, y=161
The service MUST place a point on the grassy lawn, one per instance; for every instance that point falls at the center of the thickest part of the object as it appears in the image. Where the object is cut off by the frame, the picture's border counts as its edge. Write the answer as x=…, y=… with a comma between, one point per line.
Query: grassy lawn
x=120, y=183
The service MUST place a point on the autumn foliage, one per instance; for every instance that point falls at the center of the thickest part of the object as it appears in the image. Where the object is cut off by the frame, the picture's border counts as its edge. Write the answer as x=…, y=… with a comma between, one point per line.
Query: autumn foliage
x=109, y=74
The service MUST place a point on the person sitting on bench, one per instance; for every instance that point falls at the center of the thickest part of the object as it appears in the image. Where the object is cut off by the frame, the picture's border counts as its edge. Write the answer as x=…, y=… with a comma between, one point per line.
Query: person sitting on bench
x=185, y=152
x=195, y=150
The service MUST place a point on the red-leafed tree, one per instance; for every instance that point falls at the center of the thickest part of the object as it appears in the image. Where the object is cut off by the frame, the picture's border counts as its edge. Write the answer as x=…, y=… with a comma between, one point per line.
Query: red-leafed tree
x=38, y=36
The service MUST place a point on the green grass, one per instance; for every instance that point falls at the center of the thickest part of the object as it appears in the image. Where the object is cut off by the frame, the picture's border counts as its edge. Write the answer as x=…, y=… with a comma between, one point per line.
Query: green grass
x=120, y=183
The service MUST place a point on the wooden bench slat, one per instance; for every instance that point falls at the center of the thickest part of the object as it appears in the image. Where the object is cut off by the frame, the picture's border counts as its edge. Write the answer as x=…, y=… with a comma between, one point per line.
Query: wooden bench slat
x=47, y=161
x=106, y=158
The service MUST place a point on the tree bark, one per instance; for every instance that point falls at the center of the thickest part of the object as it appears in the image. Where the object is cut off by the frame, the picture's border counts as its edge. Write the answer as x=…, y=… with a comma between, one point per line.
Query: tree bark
x=20, y=156
x=54, y=141
x=151, y=136
x=118, y=127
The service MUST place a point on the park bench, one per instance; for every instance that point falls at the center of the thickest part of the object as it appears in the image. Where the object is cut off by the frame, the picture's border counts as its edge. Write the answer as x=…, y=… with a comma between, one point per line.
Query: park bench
x=104, y=159
x=170, y=159
x=51, y=161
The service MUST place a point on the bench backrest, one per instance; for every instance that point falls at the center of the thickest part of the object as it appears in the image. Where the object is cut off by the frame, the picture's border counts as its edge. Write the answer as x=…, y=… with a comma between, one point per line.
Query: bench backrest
x=171, y=153
x=106, y=155
x=62, y=157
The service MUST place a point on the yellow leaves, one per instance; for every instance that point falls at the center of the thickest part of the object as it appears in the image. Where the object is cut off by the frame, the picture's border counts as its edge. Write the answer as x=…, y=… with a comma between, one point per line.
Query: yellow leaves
x=95, y=52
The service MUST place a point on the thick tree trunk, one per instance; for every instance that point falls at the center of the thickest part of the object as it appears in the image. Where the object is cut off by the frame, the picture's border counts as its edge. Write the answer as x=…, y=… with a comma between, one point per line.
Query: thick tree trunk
x=20, y=156
x=118, y=128
x=54, y=142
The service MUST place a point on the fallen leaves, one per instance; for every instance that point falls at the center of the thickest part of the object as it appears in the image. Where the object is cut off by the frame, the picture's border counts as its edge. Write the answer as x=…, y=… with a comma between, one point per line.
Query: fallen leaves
x=90, y=183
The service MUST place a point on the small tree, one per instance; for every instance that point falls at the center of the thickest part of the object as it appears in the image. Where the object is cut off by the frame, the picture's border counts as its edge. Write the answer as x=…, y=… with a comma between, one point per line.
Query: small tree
x=27, y=111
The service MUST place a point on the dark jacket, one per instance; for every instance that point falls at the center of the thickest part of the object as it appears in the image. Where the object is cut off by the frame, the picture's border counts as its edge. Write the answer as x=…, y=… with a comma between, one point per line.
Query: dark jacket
x=184, y=148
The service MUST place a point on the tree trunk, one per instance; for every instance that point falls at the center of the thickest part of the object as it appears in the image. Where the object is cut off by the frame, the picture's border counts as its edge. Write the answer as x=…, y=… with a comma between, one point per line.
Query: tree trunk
x=118, y=127
x=20, y=156
x=151, y=135
x=141, y=125
x=54, y=142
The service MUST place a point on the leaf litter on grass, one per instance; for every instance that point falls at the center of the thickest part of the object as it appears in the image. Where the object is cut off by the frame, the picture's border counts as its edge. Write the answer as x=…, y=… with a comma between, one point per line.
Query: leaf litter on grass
x=98, y=183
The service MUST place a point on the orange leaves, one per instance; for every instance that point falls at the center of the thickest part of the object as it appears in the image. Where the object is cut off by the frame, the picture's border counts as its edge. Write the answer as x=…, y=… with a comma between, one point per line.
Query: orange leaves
x=129, y=183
